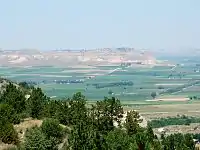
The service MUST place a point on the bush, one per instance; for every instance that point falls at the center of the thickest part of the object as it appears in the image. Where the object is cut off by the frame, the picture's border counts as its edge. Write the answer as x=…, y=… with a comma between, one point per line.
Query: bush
x=161, y=87
x=8, y=134
x=35, y=139
x=51, y=128
x=16, y=119
x=6, y=113
x=153, y=95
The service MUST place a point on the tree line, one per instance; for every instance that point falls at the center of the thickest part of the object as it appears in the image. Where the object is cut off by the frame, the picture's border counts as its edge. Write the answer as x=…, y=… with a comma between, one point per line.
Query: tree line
x=73, y=124
x=179, y=120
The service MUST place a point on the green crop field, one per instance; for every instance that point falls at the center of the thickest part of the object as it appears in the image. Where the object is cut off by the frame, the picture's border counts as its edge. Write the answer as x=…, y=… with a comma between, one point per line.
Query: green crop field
x=127, y=84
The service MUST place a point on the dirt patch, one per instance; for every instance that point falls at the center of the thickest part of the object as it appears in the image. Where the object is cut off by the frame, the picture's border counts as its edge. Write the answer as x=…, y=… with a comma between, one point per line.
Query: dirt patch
x=27, y=124
x=168, y=110
x=4, y=146
x=21, y=129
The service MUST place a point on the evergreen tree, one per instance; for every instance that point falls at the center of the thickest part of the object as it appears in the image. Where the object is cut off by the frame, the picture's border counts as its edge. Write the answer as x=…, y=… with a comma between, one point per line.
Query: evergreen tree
x=14, y=97
x=83, y=137
x=157, y=145
x=108, y=111
x=7, y=113
x=63, y=113
x=117, y=140
x=150, y=134
x=52, y=107
x=132, y=122
x=36, y=103
x=189, y=141
x=77, y=109
x=142, y=141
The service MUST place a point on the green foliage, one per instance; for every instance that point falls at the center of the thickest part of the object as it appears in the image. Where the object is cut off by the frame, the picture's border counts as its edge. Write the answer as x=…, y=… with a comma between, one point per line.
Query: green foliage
x=153, y=95
x=161, y=87
x=179, y=88
x=6, y=113
x=107, y=112
x=117, y=140
x=83, y=136
x=51, y=108
x=7, y=133
x=178, y=141
x=90, y=133
x=14, y=97
x=188, y=141
x=113, y=84
x=36, y=139
x=77, y=109
x=142, y=141
x=110, y=92
x=26, y=85
x=157, y=145
x=132, y=122
x=150, y=134
x=59, y=110
x=51, y=128
x=62, y=113
x=98, y=127
x=36, y=103
x=182, y=120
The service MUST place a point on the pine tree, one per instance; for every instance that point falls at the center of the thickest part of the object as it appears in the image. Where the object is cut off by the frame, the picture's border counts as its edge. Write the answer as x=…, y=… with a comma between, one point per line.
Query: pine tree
x=150, y=134
x=77, y=108
x=107, y=112
x=132, y=122
x=189, y=141
x=36, y=103
x=14, y=97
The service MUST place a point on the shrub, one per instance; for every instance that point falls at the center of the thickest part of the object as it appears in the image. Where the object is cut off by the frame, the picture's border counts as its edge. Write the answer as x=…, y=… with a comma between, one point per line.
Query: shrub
x=160, y=87
x=51, y=128
x=16, y=119
x=35, y=139
x=6, y=112
x=8, y=134
x=153, y=95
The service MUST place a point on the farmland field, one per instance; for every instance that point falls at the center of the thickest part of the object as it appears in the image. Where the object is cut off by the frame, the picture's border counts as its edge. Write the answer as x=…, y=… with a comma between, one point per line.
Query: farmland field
x=126, y=83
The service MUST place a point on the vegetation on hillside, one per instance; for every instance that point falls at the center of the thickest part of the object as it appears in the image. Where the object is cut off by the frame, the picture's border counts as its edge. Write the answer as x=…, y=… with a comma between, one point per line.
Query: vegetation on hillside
x=70, y=124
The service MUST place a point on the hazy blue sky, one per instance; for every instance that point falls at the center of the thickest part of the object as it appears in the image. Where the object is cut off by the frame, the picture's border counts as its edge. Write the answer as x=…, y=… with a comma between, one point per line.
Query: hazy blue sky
x=54, y=24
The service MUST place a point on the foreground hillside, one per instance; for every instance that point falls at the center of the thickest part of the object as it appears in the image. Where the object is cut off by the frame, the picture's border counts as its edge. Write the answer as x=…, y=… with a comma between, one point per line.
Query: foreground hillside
x=40, y=123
